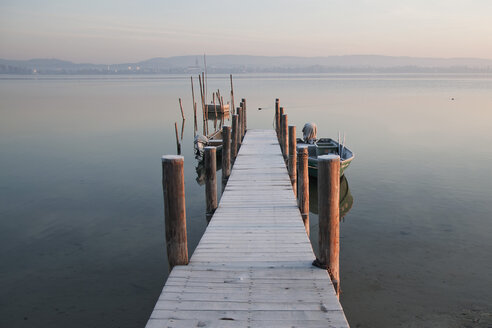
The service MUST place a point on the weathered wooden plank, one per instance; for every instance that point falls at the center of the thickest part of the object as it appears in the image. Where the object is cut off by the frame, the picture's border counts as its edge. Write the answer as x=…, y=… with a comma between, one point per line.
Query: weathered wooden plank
x=257, y=274
x=227, y=322
x=280, y=285
x=293, y=305
x=327, y=317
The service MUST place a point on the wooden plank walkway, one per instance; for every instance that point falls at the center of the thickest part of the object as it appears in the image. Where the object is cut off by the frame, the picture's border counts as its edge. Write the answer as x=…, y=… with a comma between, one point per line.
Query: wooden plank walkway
x=252, y=267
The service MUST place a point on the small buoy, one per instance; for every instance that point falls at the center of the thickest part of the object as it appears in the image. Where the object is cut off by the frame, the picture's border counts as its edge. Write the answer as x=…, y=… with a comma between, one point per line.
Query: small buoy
x=452, y=98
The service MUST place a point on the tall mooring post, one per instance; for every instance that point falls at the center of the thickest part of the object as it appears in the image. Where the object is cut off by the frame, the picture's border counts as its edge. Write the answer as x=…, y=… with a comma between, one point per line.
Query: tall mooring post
x=303, y=184
x=292, y=165
x=277, y=117
x=210, y=181
x=241, y=122
x=234, y=137
x=245, y=120
x=226, y=154
x=285, y=137
x=174, y=210
x=328, y=213
x=178, y=143
x=281, y=113
x=239, y=127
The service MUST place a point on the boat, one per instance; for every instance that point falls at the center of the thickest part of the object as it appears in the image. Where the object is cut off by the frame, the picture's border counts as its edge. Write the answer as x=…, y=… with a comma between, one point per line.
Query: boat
x=326, y=146
x=217, y=108
x=323, y=146
x=214, y=140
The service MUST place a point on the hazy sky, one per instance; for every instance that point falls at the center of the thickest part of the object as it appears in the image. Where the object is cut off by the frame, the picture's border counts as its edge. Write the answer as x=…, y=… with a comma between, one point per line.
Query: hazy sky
x=122, y=30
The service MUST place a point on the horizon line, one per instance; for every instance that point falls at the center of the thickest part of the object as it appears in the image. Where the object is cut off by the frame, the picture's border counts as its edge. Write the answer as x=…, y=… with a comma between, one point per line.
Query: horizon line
x=247, y=55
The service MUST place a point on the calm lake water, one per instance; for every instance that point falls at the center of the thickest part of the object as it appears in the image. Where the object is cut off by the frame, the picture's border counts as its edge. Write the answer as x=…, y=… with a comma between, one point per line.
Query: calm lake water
x=81, y=210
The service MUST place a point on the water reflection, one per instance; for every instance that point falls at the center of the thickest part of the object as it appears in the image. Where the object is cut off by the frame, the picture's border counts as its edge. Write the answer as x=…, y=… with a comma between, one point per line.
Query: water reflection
x=200, y=169
x=214, y=122
x=221, y=117
x=108, y=217
x=346, y=198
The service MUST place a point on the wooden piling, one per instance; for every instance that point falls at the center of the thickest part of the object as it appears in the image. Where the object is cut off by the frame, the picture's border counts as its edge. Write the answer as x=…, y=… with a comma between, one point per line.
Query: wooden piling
x=194, y=108
x=277, y=117
x=195, y=128
x=293, y=158
x=285, y=137
x=281, y=112
x=210, y=159
x=234, y=137
x=174, y=210
x=238, y=113
x=178, y=143
x=204, y=107
x=181, y=107
x=239, y=125
x=303, y=184
x=215, y=112
x=232, y=96
x=241, y=120
x=226, y=155
x=328, y=212
x=245, y=123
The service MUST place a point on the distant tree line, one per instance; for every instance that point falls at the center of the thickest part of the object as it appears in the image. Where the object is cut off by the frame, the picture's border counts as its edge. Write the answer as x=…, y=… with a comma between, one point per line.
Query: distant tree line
x=119, y=70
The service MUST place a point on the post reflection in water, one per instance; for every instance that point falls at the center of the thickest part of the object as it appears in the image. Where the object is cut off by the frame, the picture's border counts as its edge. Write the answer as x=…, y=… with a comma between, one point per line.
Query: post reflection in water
x=200, y=169
x=216, y=120
x=346, y=198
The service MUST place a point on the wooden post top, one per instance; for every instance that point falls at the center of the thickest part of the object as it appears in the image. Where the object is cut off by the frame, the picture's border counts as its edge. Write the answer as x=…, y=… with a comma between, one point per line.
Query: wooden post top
x=328, y=157
x=172, y=158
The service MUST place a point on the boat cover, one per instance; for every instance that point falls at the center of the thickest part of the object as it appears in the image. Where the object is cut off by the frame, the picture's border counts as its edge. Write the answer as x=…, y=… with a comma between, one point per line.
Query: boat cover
x=200, y=143
x=309, y=133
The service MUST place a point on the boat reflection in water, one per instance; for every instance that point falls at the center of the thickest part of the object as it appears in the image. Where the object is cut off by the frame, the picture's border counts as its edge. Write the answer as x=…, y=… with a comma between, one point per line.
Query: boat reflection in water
x=346, y=199
x=200, y=170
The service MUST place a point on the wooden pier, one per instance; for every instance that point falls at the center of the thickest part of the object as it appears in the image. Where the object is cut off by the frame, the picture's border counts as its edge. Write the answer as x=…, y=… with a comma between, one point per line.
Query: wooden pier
x=253, y=265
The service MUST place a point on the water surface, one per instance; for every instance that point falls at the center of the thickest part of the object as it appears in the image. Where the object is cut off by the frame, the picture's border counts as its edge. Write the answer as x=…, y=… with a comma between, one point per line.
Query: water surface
x=81, y=213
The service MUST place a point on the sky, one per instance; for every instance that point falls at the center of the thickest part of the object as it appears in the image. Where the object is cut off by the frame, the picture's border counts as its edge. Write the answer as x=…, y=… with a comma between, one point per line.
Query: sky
x=115, y=31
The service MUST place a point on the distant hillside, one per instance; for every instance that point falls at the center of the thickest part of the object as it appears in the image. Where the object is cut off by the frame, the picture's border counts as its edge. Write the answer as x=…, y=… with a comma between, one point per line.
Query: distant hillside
x=249, y=64
x=232, y=61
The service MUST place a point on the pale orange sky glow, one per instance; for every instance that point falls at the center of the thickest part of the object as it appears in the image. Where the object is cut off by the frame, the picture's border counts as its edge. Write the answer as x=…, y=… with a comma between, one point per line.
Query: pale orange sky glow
x=119, y=31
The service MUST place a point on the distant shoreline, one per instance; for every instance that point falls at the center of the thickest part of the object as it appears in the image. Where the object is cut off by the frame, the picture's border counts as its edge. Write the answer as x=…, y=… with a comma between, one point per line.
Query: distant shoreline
x=236, y=64
x=347, y=75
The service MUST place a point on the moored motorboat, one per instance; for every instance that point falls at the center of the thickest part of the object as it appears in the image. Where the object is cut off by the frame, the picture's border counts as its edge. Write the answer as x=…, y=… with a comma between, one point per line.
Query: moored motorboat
x=323, y=146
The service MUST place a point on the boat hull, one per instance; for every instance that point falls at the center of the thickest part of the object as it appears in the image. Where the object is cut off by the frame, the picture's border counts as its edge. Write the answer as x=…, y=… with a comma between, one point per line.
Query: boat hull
x=325, y=146
x=313, y=166
x=211, y=108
